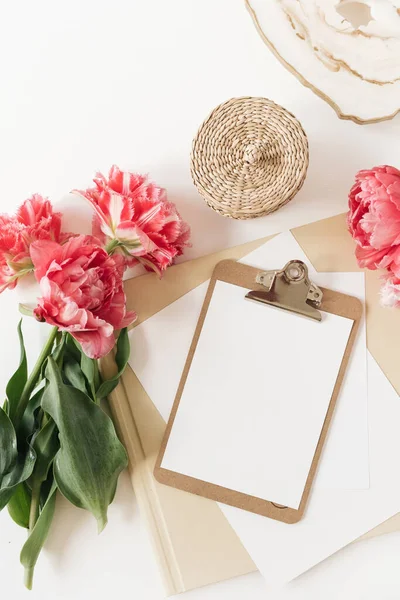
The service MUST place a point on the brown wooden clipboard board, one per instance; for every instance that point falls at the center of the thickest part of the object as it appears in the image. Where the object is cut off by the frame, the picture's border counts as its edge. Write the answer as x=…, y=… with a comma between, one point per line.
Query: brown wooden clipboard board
x=244, y=276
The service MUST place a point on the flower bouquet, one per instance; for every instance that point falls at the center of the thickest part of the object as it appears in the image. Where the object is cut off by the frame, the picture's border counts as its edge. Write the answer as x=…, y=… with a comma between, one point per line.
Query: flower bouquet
x=54, y=435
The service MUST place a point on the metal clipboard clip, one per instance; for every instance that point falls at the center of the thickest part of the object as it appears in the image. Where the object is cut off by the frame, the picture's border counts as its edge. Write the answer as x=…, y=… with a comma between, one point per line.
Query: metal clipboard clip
x=290, y=289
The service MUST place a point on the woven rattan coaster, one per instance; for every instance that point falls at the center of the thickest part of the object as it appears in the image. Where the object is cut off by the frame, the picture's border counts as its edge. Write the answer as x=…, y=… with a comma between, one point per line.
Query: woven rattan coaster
x=249, y=158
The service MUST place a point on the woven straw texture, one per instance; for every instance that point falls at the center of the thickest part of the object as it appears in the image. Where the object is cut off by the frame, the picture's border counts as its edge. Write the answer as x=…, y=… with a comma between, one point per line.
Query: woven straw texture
x=249, y=158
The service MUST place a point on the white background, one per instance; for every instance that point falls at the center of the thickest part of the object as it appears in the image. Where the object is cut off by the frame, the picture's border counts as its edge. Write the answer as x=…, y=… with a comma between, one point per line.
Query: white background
x=88, y=84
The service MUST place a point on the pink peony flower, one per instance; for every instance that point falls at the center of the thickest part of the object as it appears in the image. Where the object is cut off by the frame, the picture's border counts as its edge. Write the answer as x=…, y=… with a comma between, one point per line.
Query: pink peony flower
x=390, y=291
x=34, y=220
x=133, y=217
x=82, y=291
x=374, y=217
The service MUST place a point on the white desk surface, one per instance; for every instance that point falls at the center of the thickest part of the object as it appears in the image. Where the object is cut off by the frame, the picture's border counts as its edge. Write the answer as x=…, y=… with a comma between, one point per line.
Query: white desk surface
x=88, y=84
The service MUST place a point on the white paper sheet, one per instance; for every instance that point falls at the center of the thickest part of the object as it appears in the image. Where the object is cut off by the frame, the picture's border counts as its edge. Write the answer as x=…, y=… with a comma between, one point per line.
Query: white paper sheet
x=256, y=397
x=160, y=346
x=333, y=518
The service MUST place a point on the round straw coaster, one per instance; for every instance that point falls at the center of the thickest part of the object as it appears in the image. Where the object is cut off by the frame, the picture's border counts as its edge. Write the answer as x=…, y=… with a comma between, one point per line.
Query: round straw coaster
x=249, y=158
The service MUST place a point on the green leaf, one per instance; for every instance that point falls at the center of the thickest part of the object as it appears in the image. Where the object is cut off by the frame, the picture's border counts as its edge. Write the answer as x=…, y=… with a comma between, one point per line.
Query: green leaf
x=45, y=489
x=25, y=310
x=17, y=382
x=46, y=445
x=91, y=457
x=90, y=369
x=88, y=366
x=29, y=418
x=8, y=445
x=19, y=505
x=58, y=351
x=32, y=547
x=19, y=473
x=96, y=379
x=73, y=374
x=72, y=348
x=121, y=359
x=14, y=468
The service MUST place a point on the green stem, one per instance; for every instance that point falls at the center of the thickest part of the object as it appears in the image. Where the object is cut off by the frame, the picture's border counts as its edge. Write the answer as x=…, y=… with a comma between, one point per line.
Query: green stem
x=34, y=510
x=95, y=384
x=32, y=379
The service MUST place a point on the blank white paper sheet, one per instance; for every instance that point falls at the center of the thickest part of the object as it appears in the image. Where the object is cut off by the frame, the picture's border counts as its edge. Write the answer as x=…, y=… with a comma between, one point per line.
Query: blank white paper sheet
x=256, y=397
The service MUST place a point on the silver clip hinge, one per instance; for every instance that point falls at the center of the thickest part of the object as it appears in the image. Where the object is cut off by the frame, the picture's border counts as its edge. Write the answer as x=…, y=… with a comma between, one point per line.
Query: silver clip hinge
x=290, y=289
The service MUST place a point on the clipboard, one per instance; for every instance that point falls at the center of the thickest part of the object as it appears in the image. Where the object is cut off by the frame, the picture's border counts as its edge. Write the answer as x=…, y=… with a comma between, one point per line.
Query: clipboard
x=287, y=290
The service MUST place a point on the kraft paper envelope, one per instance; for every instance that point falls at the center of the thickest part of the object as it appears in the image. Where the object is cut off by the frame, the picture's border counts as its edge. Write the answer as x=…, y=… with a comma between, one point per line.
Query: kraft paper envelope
x=330, y=248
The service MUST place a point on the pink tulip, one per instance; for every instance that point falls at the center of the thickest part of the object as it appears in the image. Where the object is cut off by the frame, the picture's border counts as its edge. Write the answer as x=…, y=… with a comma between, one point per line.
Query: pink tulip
x=82, y=291
x=134, y=218
x=35, y=220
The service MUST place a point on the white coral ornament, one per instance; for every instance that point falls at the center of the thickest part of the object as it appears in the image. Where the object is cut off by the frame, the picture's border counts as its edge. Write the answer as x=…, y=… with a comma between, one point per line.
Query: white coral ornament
x=347, y=52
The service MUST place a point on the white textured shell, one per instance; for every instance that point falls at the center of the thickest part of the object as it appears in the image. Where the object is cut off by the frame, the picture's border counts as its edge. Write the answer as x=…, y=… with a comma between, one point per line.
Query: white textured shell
x=347, y=52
